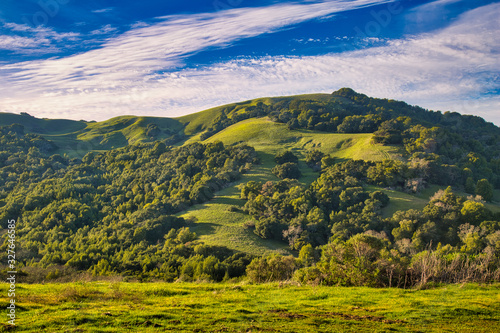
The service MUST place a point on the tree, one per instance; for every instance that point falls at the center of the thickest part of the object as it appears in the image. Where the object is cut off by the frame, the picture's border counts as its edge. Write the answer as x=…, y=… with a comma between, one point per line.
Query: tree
x=251, y=188
x=473, y=212
x=285, y=157
x=306, y=255
x=313, y=158
x=287, y=170
x=470, y=185
x=484, y=189
x=327, y=161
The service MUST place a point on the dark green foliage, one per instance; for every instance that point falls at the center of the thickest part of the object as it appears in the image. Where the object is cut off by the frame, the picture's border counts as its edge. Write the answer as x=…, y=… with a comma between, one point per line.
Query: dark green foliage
x=470, y=185
x=359, y=124
x=334, y=204
x=112, y=213
x=390, y=131
x=285, y=157
x=484, y=189
x=287, y=170
x=313, y=159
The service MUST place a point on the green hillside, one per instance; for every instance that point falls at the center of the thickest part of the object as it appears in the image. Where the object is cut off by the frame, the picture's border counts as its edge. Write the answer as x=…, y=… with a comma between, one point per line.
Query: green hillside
x=268, y=138
x=42, y=126
x=198, y=197
x=200, y=121
x=76, y=138
x=216, y=225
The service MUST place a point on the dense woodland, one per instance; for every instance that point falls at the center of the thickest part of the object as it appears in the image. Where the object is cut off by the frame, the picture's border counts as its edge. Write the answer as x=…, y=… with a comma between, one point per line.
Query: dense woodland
x=114, y=212
x=342, y=238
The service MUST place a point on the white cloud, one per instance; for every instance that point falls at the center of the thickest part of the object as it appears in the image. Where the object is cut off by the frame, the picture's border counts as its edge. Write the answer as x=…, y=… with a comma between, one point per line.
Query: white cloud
x=16, y=42
x=103, y=10
x=129, y=60
x=450, y=69
x=104, y=30
x=33, y=40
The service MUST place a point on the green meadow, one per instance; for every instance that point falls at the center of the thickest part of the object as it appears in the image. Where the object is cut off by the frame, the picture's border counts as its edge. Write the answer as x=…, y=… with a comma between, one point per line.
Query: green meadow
x=225, y=307
x=268, y=138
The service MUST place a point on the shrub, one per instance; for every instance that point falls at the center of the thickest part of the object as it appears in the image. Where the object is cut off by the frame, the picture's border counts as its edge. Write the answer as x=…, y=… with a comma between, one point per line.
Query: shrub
x=287, y=170
x=285, y=157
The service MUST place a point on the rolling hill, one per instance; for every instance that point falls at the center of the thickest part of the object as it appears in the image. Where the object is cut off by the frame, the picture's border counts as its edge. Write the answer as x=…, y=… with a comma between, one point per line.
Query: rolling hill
x=440, y=149
x=76, y=138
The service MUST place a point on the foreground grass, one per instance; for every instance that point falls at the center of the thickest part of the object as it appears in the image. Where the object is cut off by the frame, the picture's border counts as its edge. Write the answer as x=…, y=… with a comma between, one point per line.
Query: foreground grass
x=185, y=307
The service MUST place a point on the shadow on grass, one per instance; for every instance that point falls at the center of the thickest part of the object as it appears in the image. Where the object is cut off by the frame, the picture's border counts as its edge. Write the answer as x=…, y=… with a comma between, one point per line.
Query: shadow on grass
x=203, y=228
x=229, y=201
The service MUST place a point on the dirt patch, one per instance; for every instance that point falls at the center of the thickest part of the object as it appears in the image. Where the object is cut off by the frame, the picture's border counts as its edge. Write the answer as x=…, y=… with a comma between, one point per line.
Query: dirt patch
x=283, y=313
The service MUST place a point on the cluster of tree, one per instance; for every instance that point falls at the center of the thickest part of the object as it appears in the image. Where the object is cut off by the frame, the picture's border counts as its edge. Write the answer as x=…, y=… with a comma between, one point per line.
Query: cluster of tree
x=368, y=260
x=287, y=166
x=334, y=204
x=109, y=212
x=453, y=239
x=25, y=157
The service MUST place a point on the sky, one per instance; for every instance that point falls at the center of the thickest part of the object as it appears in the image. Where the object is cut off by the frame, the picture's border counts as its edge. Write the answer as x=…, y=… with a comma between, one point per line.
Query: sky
x=97, y=59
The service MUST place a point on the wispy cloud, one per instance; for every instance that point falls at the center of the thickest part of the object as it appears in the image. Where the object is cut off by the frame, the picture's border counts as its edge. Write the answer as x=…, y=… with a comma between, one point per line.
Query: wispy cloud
x=103, y=10
x=129, y=62
x=104, y=30
x=450, y=69
x=24, y=39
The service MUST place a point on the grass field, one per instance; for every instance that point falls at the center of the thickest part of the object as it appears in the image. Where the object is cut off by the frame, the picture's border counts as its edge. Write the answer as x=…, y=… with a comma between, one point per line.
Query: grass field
x=269, y=137
x=216, y=225
x=224, y=307
x=399, y=200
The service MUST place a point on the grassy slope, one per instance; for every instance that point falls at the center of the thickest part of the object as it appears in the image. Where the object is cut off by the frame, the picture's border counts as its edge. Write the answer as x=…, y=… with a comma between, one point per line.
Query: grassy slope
x=199, y=121
x=32, y=124
x=76, y=138
x=185, y=307
x=217, y=226
x=399, y=200
x=268, y=138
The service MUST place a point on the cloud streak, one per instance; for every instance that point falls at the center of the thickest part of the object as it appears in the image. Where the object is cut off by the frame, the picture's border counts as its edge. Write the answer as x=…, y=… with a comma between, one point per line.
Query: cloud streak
x=450, y=69
x=23, y=39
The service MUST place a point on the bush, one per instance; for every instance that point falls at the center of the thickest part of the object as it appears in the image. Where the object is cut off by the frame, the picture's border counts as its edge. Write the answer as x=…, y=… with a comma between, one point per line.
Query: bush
x=287, y=170
x=484, y=189
x=285, y=157
x=273, y=268
x=314, y=157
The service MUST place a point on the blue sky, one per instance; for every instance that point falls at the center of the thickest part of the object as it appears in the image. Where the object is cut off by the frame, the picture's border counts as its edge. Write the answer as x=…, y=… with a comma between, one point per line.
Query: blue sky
x=94, y=60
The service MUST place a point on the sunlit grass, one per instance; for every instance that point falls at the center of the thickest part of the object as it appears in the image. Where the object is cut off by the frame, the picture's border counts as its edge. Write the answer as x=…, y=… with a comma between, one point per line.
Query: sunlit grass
x=188, y=307
x=269, y=137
